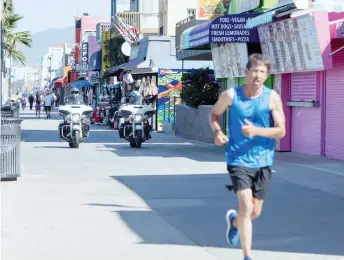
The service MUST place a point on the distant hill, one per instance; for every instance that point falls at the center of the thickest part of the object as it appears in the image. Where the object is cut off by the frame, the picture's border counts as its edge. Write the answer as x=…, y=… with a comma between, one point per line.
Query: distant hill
x=42, y=40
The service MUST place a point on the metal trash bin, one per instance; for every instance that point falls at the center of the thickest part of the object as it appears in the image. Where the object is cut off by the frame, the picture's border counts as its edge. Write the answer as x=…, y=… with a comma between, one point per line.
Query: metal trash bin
x=10, y=148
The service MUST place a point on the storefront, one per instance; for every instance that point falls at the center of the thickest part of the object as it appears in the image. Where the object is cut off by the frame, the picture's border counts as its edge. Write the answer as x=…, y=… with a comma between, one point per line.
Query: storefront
x=308, y=49
x=230, y=44
x=334, y=93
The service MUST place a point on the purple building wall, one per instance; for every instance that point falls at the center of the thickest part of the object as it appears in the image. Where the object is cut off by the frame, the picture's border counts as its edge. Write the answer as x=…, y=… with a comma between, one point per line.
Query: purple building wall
x=93, y=47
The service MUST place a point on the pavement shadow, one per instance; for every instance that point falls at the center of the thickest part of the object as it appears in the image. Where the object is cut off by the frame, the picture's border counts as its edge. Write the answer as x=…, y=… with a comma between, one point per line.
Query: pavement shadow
x=170, y=149
x=52, y=136
x=295, y=218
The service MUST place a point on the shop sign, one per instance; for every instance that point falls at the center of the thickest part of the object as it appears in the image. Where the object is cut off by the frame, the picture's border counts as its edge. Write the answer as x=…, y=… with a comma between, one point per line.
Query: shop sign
x=224, y=29
x=105, y=50
x=292, y=45
x=230, y=59
x=84, y=57
x=94, y=78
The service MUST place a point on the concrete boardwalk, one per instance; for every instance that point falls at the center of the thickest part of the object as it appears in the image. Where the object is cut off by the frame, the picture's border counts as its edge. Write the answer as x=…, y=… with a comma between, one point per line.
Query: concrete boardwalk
x=165, y=201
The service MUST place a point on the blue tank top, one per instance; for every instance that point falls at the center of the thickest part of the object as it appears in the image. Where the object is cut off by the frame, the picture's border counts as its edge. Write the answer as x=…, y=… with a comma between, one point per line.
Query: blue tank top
x=253, y=152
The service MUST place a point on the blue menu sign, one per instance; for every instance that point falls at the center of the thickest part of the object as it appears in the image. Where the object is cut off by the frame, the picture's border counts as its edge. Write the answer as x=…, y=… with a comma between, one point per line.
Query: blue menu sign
x=224, y=29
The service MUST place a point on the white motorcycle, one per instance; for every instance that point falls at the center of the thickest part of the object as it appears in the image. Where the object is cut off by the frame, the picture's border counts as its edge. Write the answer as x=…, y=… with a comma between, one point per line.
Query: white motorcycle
x=135, y=129
x=76, y=121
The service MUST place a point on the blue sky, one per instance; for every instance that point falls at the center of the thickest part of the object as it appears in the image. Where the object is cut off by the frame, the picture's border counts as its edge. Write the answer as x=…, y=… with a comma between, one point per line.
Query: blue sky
x=40, y=15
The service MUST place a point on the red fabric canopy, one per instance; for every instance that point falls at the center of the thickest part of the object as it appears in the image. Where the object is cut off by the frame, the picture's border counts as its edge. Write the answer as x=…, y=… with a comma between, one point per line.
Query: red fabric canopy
x=61, y=82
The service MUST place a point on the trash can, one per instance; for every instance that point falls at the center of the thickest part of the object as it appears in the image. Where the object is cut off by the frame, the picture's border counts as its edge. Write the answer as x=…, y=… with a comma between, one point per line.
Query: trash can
x=10, y=137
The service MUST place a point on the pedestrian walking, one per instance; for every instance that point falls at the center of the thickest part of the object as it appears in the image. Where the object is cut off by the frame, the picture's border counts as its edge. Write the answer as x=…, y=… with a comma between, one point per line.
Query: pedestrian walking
x=31, y=100
x=38, y=105
x=48, y=101
x=250, y=147
x=57, y=102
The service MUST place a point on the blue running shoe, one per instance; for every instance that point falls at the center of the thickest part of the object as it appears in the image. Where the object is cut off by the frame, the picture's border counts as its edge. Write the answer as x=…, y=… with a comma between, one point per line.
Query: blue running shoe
x=248, y=258
x=232, y=233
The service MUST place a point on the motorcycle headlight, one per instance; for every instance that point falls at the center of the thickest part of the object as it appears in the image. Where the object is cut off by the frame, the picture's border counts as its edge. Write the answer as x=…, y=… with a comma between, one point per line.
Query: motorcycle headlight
x=138, y=118
x=76, y=118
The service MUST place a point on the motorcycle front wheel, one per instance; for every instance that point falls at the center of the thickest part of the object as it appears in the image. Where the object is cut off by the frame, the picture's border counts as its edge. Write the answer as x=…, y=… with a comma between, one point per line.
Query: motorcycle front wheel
x=76, y=139
x=138, y=138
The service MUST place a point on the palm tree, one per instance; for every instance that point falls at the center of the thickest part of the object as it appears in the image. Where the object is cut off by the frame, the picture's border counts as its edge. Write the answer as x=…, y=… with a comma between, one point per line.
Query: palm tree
x=11, y=38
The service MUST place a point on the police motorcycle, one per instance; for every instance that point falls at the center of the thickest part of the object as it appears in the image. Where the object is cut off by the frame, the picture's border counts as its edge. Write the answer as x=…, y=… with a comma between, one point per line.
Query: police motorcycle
x=136, y=128
x=76, y=119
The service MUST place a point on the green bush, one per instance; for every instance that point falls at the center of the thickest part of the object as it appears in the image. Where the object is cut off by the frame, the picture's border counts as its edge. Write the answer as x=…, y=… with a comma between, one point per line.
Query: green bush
x=199, y=88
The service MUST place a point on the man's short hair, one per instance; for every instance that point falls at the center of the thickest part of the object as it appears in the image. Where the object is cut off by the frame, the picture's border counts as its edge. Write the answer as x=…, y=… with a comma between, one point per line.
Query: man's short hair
x=258, y=59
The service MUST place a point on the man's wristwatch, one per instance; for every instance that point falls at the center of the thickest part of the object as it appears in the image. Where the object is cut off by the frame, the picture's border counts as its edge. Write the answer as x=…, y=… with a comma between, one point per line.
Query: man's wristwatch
x=217, y=130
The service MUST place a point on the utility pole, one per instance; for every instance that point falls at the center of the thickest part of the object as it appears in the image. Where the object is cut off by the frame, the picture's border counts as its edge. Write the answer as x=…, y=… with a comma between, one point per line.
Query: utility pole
x=1, y=55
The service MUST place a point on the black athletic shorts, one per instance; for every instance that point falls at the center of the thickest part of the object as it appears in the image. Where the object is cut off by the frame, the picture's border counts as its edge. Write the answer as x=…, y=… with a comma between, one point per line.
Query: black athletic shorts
x=47, y=108
x=247, y=178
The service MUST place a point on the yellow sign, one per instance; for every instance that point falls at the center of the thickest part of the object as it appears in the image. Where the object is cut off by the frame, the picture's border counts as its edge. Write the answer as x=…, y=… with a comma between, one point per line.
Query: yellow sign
x=211, y=9
x=105, y=51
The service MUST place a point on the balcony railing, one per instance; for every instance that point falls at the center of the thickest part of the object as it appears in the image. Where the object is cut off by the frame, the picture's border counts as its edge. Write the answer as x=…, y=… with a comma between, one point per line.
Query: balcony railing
x=144, y=23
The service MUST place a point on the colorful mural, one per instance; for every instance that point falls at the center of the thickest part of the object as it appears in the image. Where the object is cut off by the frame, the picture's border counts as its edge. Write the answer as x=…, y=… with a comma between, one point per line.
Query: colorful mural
x=170, y=85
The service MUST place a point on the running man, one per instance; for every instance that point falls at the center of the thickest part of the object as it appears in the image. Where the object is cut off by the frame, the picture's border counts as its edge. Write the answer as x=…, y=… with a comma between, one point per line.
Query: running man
x=255, y=119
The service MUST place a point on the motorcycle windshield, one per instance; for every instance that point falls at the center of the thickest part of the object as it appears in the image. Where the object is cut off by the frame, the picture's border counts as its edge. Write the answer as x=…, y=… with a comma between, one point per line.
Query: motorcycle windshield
x=135, y=98
x=75, y=100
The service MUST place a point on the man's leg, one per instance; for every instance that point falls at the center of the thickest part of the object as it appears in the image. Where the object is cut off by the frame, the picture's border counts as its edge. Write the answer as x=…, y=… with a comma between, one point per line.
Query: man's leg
x=244, y=221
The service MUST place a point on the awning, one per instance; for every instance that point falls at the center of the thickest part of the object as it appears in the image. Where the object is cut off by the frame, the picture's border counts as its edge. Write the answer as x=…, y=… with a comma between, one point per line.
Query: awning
x=224, y=29
x=60, y=82
x=51, y=85
x=72, y=76
x=267, y=17
x=136, y=67
x=185, y=39
x=329, y=5
x=81, y=84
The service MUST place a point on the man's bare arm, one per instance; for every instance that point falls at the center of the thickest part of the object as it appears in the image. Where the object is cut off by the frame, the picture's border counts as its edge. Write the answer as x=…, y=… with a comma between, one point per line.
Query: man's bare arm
x=278, y=131
x=219, y=108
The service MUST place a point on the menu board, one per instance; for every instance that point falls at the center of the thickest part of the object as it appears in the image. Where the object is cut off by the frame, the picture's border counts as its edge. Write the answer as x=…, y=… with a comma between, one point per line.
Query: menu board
x=229, y=59
x=292, y=45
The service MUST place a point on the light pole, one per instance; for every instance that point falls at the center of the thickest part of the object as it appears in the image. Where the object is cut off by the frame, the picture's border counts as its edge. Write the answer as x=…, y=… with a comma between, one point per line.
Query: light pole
x=50, y=69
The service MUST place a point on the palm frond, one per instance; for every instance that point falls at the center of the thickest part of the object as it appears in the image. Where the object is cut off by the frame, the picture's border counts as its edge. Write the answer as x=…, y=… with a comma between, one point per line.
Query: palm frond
x=8, y=7
x=12, y=38
x=21, y=38
x=18, y=56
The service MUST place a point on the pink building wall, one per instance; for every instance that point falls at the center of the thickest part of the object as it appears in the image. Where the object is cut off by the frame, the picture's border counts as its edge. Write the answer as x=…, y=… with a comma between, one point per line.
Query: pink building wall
x=322, y=22
x=306, y=130
x=285, y=144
